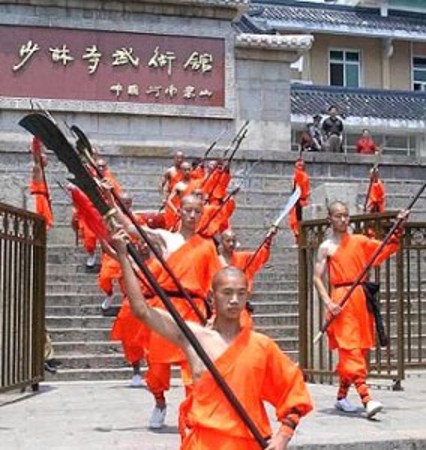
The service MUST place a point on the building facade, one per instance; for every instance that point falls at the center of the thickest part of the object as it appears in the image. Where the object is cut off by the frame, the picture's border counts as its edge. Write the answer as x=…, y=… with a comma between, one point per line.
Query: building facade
x=368, y=58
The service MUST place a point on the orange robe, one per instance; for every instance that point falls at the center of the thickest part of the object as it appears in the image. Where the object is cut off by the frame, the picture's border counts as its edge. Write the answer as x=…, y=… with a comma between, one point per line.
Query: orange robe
x=256, y=370
x=241, y=259
x=127, y=328
x=353, y=327
x=215, y=218
x=194, y=264
x=376, y=199
x=114, y=183
x=110, y=270
x=219, y=188
x=300, y=179
x=42, y=207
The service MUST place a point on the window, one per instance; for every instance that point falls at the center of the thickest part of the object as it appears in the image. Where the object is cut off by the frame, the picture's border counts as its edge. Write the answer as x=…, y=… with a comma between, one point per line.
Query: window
x=419, y=73
x=344, y=68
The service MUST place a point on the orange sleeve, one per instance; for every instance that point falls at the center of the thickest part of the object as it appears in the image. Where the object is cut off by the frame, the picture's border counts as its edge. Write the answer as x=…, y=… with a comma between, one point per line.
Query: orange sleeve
x=371, y=245
x=283, y=386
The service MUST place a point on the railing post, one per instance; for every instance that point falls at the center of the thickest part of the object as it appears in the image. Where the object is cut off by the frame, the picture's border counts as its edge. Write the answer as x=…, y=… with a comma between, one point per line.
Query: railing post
x=303, y=300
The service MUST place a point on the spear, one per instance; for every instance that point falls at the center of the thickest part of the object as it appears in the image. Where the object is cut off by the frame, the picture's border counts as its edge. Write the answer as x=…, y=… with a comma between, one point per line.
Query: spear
x=369, y=264
x=53, y=138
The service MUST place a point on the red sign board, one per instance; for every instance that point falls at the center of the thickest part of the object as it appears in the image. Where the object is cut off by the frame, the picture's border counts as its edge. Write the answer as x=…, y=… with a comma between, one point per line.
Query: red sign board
x=139, y=68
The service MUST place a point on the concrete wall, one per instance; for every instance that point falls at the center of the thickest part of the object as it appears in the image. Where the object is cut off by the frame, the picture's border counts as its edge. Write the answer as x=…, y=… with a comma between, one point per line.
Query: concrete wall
x=376, y=71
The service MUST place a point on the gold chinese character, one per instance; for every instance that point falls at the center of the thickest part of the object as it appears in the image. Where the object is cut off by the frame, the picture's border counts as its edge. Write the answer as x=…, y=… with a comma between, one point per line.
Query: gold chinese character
x=93, y=55
x=117, y=89
x=125, y=56
x=154, y=90
x=199, y=61
x=160, y=60
x=189, y=92
x=26, y=51
x=205, y=93
x=171, y=91
x=133, y=89
x=61, y=55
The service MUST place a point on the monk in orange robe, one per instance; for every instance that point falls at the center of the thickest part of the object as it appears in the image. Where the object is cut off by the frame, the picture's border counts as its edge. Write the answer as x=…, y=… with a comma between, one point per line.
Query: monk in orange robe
x=352, y=332
x=216, y=217
x=251, y=363
x=377, y=197
x=194, y=261
x=128, y=329
x=171, y=176
x=216, y=188
x=301, y=180
x=38, y=186
x=250, y=262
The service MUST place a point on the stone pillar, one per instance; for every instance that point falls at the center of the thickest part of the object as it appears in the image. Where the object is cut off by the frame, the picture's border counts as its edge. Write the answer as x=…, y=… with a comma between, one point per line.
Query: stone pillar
x=263, y=87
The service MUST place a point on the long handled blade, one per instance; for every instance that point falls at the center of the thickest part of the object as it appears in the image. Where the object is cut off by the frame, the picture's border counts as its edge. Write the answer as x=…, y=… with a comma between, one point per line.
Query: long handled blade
x=293, y=199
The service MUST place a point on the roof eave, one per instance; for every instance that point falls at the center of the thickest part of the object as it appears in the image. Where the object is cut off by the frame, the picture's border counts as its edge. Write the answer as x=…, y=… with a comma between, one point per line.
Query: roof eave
x=346, y=30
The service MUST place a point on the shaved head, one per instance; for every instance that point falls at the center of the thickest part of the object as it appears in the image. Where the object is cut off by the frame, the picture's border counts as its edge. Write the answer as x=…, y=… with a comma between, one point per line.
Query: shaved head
x=334, y=206
x=229, y=233
x=191, y=200
x=225, y=274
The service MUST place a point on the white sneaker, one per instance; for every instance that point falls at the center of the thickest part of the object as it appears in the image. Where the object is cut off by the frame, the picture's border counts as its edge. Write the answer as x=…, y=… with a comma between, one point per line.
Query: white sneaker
x=91, y=261
x=136, y=381
x=106, y=304
x=158, y=418
x=345, y=406
x=372, y=408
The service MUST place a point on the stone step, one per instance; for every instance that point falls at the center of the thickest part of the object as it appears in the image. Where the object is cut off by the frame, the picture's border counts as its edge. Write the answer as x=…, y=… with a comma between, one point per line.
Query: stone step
x=278, y=331
x=80, y=299
x=86, y=322
x=79, y=334
x=93, y=361
x=275, y=319
x=98, y=374
x=93, y=347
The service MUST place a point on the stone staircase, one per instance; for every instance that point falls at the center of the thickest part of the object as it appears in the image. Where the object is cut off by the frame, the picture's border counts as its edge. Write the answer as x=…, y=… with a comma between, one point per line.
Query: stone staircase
x=81, y=334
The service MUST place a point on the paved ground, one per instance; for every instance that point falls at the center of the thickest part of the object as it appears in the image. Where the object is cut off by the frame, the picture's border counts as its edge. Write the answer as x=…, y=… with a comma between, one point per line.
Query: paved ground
x=112, y=416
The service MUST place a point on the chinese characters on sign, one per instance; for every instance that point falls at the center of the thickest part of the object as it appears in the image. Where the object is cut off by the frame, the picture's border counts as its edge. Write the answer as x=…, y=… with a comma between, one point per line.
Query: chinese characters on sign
x=106, y=66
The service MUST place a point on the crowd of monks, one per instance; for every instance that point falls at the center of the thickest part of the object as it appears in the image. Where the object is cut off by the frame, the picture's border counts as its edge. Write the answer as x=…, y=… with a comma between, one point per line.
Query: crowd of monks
x=192, y=232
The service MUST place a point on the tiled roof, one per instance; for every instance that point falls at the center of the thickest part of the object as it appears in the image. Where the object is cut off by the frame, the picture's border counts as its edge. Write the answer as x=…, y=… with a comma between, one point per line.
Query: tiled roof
x=385, y=104
x=284, y=14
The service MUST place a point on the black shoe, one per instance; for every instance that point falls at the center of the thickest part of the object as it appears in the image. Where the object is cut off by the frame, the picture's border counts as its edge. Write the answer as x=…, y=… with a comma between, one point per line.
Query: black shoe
x=48, y=367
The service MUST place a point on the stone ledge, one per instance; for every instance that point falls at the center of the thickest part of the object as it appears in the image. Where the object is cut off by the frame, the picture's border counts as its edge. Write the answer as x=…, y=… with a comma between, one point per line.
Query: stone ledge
x=275, y=42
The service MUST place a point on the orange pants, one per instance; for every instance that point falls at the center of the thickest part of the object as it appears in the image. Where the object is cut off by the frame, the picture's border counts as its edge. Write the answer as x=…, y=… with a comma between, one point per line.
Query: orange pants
x=110, y=271
x=125, y=329
x=352, y=369
x=158, y=376
x=89, y=238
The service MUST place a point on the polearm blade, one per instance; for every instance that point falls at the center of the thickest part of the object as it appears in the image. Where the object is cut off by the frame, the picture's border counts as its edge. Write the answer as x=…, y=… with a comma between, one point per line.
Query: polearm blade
x=291, y=202
x=53, y=138
x=368, y=266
